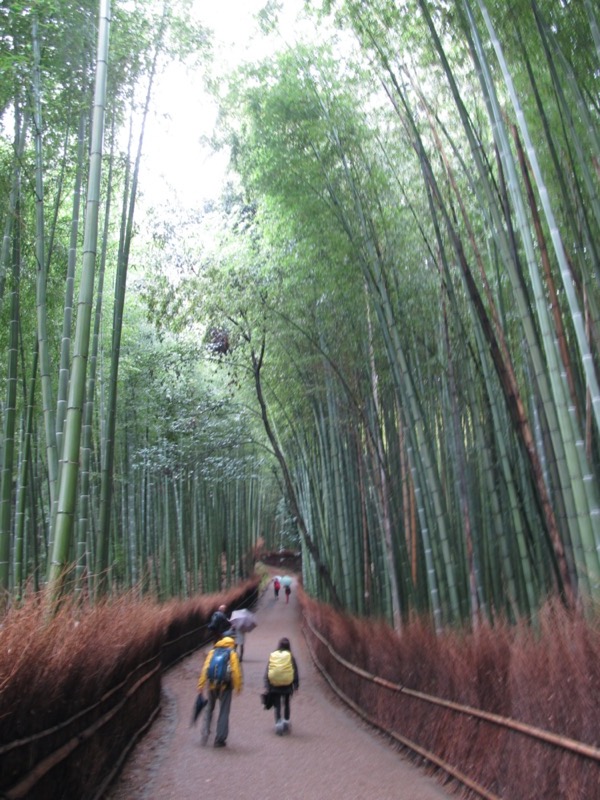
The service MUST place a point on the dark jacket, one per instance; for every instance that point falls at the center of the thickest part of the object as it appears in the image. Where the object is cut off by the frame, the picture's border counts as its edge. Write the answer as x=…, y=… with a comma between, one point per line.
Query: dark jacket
x=219, y=623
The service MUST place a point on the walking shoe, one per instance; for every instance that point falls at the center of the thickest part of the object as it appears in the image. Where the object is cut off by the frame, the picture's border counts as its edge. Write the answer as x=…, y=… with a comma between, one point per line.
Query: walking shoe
x=279, y=727
x=287, y=726
x=220, y=744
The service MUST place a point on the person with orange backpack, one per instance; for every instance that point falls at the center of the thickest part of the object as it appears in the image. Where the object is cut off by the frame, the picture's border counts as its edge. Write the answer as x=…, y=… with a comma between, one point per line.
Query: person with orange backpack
x=281, y=681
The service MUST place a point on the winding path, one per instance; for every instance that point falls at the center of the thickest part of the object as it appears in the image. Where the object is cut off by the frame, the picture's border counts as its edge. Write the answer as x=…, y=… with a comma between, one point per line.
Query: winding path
x=330, y=753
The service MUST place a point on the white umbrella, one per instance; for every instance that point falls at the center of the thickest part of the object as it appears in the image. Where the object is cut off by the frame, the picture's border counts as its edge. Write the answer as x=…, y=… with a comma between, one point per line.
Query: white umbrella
x=286, y=580
x=243, y=620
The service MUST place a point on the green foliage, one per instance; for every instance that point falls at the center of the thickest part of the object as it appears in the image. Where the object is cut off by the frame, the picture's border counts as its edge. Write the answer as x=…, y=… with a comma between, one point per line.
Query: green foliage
x=371, y=270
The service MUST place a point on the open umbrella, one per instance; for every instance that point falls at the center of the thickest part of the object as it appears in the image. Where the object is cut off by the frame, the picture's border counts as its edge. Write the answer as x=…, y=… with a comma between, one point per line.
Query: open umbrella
x=286, y=580
x=243, y=620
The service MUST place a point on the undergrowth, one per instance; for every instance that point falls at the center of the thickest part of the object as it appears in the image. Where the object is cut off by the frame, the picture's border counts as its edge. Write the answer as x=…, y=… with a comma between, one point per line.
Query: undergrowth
x=53, y=667
x=547, y=676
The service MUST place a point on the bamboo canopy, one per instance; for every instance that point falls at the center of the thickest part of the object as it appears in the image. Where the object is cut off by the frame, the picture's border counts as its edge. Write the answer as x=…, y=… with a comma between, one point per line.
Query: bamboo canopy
x=377, y=347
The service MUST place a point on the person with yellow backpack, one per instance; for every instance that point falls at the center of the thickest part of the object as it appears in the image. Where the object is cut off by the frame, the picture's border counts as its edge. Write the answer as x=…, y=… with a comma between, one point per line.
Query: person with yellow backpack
x=281, y=681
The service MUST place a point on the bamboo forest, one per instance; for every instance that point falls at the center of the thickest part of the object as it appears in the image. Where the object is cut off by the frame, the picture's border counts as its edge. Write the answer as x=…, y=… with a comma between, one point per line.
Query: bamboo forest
x=376, y=346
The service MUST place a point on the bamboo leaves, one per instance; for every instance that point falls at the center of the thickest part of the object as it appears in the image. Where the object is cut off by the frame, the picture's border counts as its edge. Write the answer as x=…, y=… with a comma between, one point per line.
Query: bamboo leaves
x=500, y=311
x=402, y=292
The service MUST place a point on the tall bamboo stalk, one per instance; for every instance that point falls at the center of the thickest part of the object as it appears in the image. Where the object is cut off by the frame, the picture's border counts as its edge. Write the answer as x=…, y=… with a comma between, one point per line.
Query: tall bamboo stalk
x=73, y=423
x=42, y=282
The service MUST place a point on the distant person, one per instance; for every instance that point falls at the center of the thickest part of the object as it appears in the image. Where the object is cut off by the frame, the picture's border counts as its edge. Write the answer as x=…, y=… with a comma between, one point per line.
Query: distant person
x=276, y=587
x=219, y=622
x=223, y=674
x=288, y=591
x=281, y=680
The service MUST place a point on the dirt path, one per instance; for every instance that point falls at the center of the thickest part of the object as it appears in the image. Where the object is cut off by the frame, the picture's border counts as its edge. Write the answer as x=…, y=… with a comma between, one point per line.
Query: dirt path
x=330, y=753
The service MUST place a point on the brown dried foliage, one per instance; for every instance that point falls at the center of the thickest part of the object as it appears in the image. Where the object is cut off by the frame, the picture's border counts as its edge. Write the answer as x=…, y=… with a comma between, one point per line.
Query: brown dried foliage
x=50, y=668
x=53, y=667
x=547, y=677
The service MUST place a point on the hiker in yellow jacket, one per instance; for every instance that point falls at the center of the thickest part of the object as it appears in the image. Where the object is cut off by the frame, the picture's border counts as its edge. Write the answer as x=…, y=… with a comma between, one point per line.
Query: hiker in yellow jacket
x=281, y=680
x=222, y=673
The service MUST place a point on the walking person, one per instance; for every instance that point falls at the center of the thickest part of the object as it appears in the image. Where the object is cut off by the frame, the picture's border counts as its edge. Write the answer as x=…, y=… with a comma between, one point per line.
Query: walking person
x=219, y=622
x=281, y=680
x=223, y=674
x=276, y=587
x=288, y=591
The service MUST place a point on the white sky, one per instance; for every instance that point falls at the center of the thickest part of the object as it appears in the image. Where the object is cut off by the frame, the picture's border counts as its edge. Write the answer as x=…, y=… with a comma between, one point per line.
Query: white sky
x=175, y=163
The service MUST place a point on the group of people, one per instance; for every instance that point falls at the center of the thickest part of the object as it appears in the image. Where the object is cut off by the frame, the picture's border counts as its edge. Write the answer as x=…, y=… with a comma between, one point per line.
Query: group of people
x=221, y=680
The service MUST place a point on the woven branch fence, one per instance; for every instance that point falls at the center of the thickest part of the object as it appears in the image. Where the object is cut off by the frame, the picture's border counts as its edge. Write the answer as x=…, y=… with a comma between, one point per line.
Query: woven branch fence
x=437, y=732
x=81, y=756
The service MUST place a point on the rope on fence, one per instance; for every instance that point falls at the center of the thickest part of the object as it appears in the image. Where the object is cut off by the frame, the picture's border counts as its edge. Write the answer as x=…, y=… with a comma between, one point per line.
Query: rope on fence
x=21, y=789
x=124, y=755
x=426, y=754
x=66, y=723
x=564, y=742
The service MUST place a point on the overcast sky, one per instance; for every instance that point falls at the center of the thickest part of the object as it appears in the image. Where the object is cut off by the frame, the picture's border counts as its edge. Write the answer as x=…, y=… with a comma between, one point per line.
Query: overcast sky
x=174, y=159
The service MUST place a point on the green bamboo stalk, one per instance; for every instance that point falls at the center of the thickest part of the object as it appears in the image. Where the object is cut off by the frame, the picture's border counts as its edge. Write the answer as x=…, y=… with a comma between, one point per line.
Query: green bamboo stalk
x=9, y=427
x=382, y=484
x=131, y=529
x=83, y=549
x=177, y=486
x=10, y=252
x=594, y=27
x=65, y=350
x=24, y=493
x=70, y=462
x=339, y=532
x=166, y=567
x=42, y=282
x=21, y=129
x=565, y=272
x=129, y=201
x=585, y=503
x=194, y=534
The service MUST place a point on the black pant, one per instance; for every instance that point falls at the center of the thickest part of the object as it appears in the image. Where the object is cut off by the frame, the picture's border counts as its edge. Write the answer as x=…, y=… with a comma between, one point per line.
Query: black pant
x=277, y=698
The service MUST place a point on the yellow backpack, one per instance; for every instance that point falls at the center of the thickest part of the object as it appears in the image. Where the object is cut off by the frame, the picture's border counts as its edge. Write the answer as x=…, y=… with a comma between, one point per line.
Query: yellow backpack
x=280, y=671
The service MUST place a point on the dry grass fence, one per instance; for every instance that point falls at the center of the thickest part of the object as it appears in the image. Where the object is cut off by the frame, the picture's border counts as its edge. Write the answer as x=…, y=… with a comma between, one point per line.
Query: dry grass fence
x=78, y=690
x=528, y=726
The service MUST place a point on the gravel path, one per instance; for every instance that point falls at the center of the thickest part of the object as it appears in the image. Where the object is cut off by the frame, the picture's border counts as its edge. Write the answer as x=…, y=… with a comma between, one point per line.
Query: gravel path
x=330, y=753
